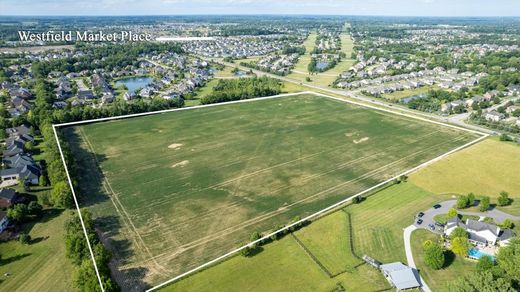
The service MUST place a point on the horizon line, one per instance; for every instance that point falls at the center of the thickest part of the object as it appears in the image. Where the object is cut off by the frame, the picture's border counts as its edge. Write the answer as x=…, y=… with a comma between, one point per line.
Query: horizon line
x=260, y=14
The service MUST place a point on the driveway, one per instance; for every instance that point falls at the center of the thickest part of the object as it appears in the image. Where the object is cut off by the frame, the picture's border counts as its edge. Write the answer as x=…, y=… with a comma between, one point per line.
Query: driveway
x=409, y=255
x=497, y=215
x=430, y=213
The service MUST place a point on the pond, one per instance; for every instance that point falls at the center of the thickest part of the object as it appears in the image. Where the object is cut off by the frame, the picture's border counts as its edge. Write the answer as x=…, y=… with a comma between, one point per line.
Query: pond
x=322, y=65
x=134, y=83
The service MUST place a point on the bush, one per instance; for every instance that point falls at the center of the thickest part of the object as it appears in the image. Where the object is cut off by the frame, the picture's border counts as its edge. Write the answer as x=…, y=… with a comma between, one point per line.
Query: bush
x=506, y=138
x=25, y=238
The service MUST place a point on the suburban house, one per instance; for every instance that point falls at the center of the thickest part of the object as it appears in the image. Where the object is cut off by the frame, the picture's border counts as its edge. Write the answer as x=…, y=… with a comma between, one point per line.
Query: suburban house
x=494, y=116
x=18, y=165
x=480, y=233
x=8, y=197
x=401, y=276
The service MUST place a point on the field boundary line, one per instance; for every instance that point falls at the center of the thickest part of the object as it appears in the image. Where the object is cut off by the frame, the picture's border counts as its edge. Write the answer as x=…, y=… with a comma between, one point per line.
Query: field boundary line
x=287, y=227
x=78, y=209
x=121, y=117
x=311, y=255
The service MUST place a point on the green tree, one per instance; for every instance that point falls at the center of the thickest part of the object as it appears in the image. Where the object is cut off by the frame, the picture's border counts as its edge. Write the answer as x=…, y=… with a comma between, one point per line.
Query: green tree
x=460, y=246
x=61, y=195
x=459, y=232
x=484, y=204
x=480, y=281
x=451, y=213
x=507, y=224
x=18, y=212
x=255, y=236
x=485, y=263
x=503, y=199
x=462, y=202
x=434, y=256
x=471, y=199
x=34, y=208
x=508, y=259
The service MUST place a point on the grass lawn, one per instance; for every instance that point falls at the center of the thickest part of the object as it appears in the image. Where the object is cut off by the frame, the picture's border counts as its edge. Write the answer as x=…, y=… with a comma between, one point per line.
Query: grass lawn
x=328, y=241
x=378, y=222
x=438, y=280
x=289, y=268
x=41, y=265
x=408, y=92
x=486, y=168
x=160, y=184
x=281, y=266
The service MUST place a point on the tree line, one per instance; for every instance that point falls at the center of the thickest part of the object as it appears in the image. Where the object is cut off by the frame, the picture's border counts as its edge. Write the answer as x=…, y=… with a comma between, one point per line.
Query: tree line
x=242, y=88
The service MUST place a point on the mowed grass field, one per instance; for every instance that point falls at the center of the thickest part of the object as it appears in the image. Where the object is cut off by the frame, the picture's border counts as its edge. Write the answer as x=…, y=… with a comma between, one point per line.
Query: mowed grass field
x=486, y=168
x=284, y=265
x=172, y=191
x=41, y=265
x=379, y=221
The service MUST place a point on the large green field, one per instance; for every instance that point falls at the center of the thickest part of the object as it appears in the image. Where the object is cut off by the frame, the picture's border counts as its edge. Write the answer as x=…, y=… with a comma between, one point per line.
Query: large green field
x=172, y=191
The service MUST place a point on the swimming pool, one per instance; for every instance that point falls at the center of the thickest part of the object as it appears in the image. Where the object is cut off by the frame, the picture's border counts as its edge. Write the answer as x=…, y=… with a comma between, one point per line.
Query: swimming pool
x=477, y=254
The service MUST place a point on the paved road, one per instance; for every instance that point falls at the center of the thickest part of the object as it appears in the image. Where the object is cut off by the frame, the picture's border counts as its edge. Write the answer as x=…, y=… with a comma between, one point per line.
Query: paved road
x=409, y=255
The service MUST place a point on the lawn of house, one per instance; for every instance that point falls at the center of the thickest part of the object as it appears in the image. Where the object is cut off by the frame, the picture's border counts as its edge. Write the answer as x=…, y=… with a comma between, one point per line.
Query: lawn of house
x=438, y=280
x=41, y=265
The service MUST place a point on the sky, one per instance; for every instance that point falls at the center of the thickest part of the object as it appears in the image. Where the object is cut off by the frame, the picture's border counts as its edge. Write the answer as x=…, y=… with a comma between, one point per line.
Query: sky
x=322, y=7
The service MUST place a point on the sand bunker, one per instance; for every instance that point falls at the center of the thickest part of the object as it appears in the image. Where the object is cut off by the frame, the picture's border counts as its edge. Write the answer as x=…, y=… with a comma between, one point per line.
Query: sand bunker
x=181, y=164
x=175, y=146
x=360, y=140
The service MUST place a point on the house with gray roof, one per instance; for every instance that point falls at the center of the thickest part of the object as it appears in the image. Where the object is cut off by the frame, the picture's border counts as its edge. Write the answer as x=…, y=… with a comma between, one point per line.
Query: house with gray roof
x=480, y=233
x=401, y=276
x=8, y=197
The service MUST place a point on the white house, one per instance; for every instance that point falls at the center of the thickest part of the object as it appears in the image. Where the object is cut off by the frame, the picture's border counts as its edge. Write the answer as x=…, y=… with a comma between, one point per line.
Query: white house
x=494, y=116
x=480, y=233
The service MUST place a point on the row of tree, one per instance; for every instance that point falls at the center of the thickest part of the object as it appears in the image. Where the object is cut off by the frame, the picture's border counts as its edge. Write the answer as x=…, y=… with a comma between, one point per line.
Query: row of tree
x=484, y=203
x=76, y=248
x=242, y=88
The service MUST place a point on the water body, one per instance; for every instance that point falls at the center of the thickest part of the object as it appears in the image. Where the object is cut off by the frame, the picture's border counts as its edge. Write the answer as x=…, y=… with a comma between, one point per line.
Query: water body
x=322, y=65
x=134, y=83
